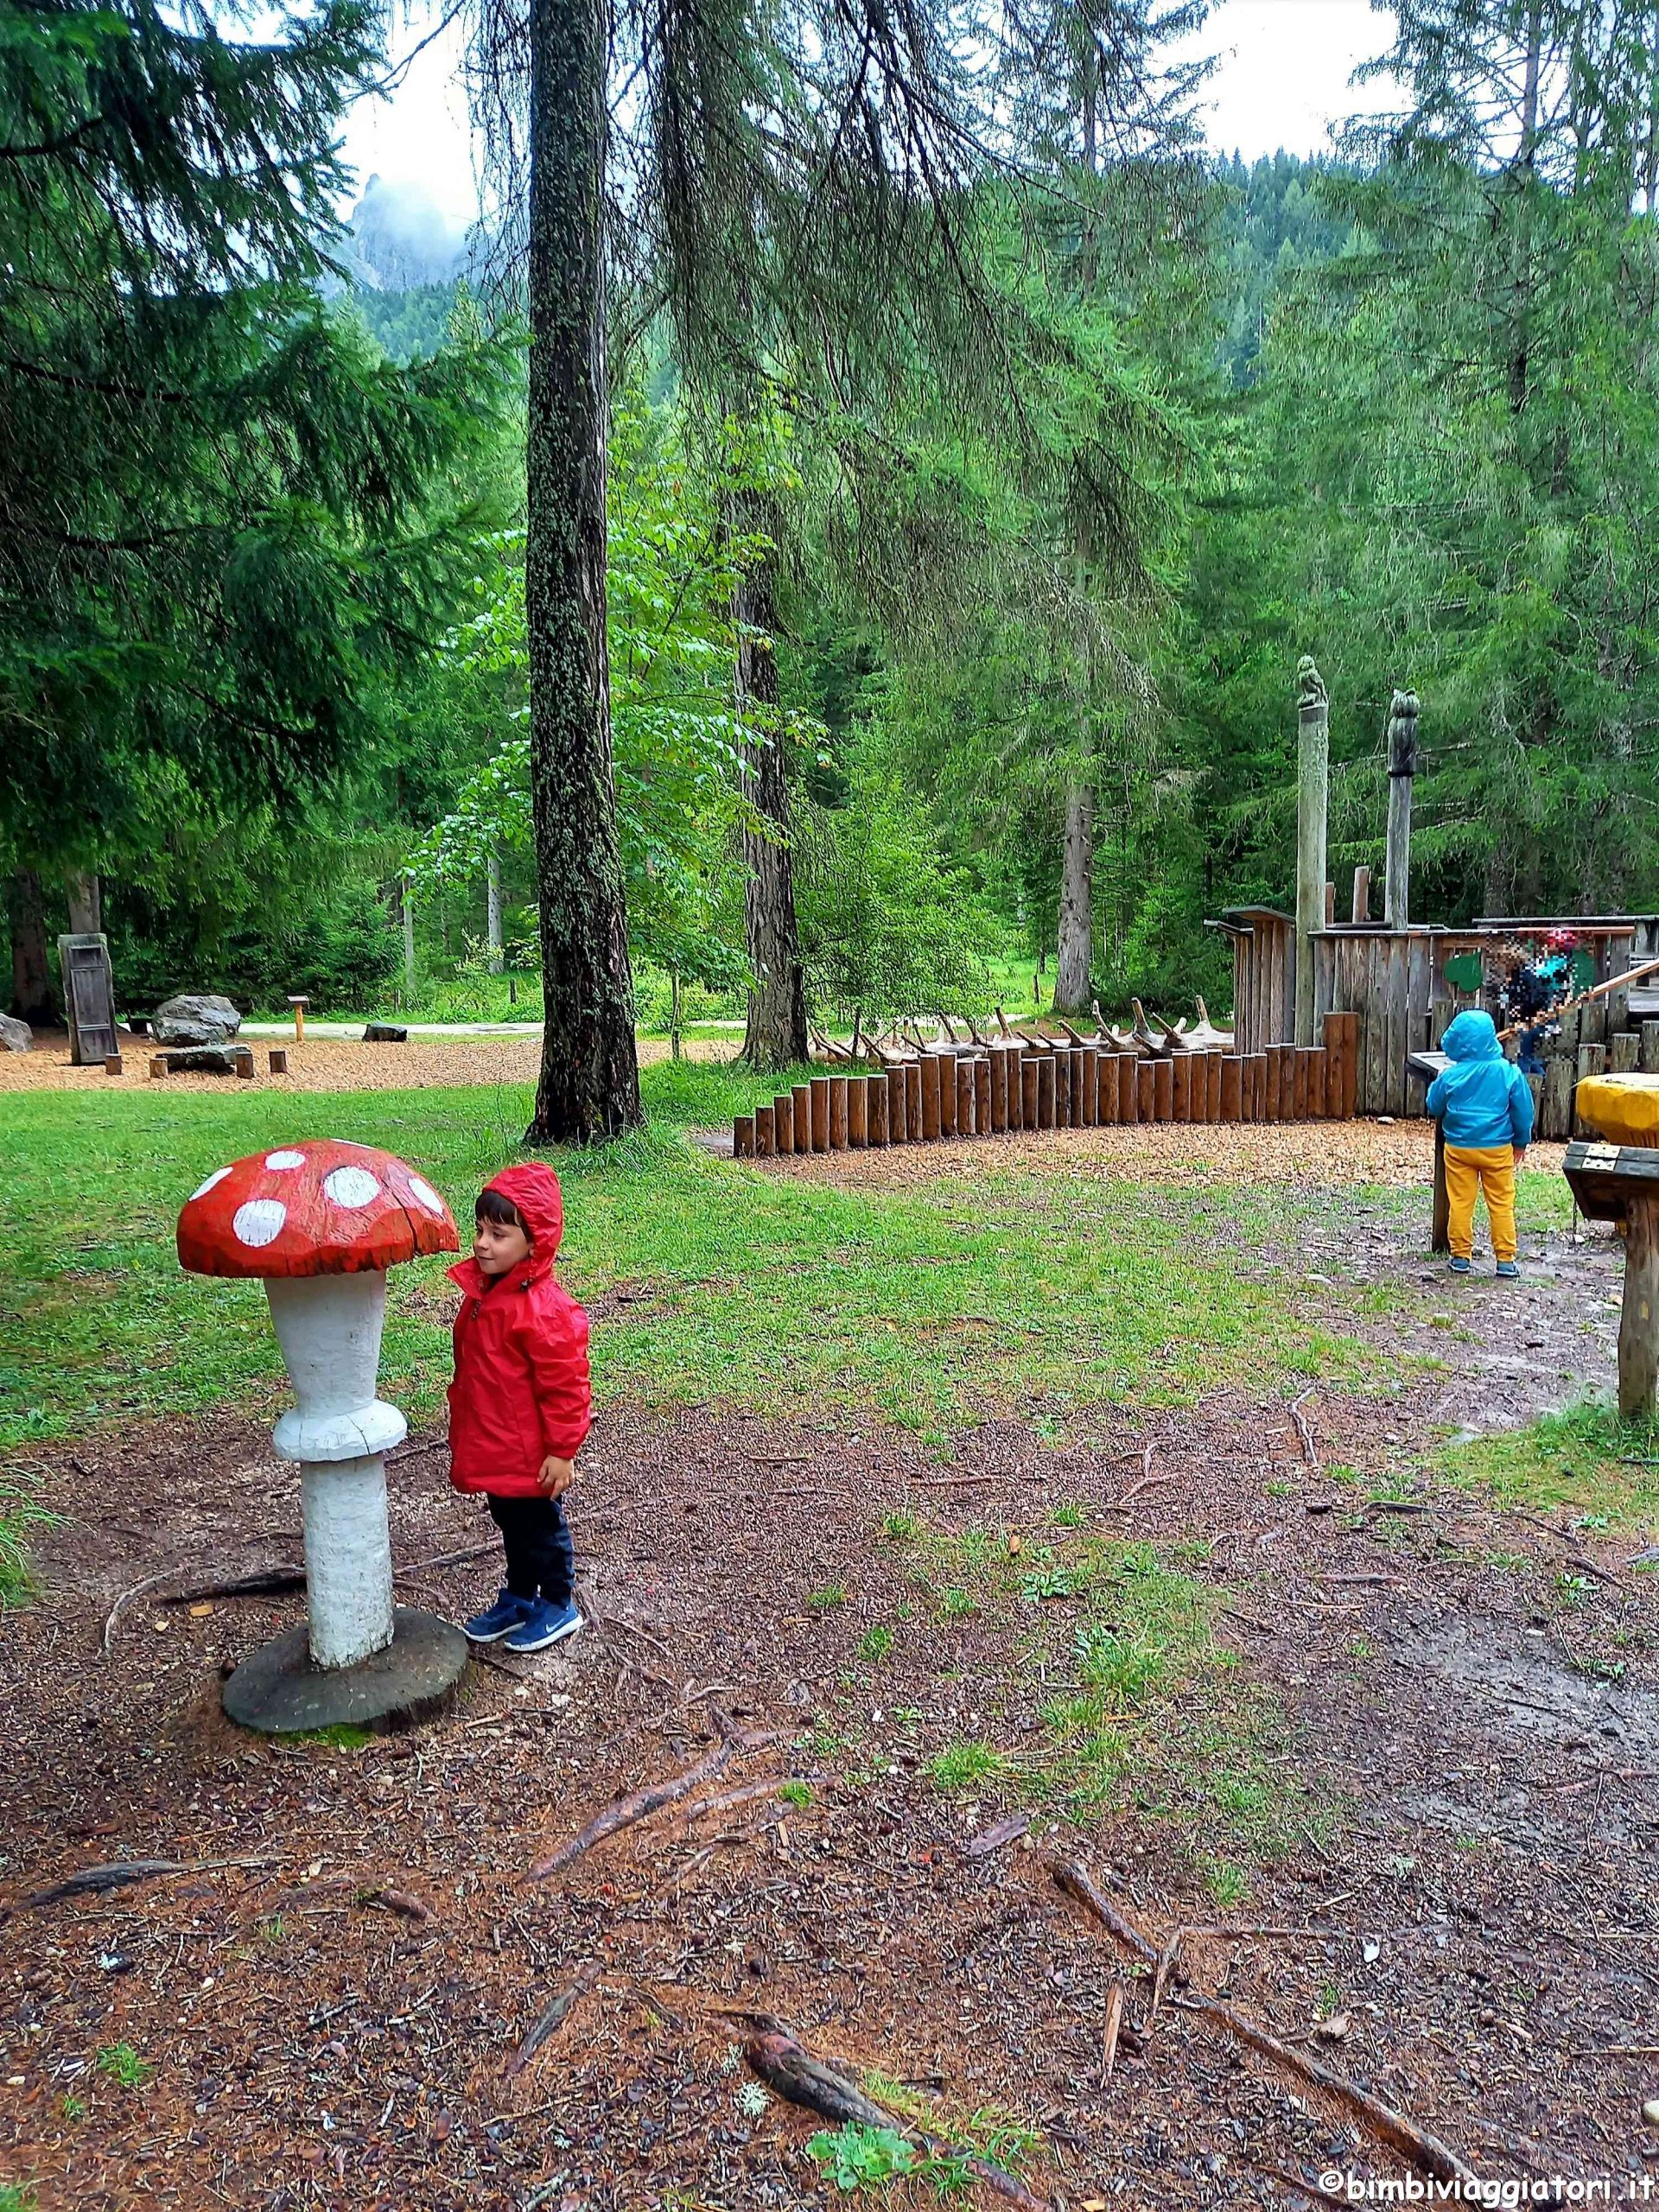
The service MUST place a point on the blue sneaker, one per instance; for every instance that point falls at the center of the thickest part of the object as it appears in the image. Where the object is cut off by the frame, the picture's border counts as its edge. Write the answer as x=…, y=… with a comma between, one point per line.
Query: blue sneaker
x=544, y=1623
x=1508, y=1271
x=1460, y=1266
x=492, y=1623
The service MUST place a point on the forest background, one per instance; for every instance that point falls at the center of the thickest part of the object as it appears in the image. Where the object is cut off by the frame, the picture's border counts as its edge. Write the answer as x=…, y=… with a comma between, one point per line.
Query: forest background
x=1035, y=718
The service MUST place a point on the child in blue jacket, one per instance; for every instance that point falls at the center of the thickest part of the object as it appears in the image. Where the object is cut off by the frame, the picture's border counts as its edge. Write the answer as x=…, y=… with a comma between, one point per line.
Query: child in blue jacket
x=1484, y=1104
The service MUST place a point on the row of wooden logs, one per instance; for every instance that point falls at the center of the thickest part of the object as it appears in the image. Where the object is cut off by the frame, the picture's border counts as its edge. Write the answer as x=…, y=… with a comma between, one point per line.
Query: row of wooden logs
x=1016, y=1086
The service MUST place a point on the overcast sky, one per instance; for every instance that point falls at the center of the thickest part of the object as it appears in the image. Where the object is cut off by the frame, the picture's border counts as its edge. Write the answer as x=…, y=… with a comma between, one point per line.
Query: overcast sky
x=1283, y=79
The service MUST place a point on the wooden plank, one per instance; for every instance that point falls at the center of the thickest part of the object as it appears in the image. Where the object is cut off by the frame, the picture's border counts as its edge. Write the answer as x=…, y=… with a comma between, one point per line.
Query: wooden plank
x=1090, y=1087
x=981, y=1068
x=1377, y=1024
x=947, y=1093
x=1399, y=982
x=1078, y=1056
x=913, y=1101
x=1335, y=1060
x=1419, y=970
x=837, y=1113
x=743, y=1136
x=998, y=1064
x=1624, y=1049
x=966, y=1099
x=1030, y=1091
x=1650, y=1047
x=858, y=1112
x=764, y=1144
x=818, y=1094
x=1015, y=1055
x=1062, y=1060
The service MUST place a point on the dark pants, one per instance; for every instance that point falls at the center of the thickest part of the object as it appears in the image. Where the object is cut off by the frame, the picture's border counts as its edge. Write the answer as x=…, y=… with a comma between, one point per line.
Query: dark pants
x=538, y=1544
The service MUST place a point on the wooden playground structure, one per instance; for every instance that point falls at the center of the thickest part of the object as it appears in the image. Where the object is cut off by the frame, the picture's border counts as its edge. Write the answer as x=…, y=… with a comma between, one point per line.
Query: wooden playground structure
x=1004, y=1085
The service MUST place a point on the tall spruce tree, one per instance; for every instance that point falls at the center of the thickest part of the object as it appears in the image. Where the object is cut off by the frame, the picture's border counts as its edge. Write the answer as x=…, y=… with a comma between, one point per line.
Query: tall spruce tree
x=225, y=523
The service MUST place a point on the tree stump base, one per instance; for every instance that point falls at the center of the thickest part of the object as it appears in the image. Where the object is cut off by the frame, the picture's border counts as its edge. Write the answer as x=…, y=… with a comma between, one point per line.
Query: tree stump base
x=280, y=1692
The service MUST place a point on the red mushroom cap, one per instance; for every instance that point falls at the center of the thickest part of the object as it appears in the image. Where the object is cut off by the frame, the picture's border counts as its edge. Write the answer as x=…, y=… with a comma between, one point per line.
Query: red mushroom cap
x=321, y=1208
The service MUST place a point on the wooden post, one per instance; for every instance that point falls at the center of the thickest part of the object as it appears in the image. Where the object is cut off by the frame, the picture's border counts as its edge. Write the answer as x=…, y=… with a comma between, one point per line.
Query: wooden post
x=764, y=1145
x=837, y=1113
x=243, y=1057
x=1129, y=1085
x=1626, y=1047
x=819, y=1090
x=1076, y=1058
x=858, y=1112
x=877, y=1092
x=1062, y=1062
x=783, y=1121
x=1030, y=1091
x=1593, y=1060
x=1146, y=1091
x=1232, y=1086
x=999, y=1077
x=157, y=1067
x=1181, y=1079
x=1362, y=895
x=1330, y=904
x=897, y=1130
x=931, y=1095
x=1210, y=1075
x=1106, y=1083
x=1650, y=1047
x=1337, y=1053
x=1259, y=1086
x=1318, y=1074
x=743, y=1136
x=1046, y=1093
x=802, y=1097
x=1016, y=1058
x=913, y=1129
x=1638, y=1322
x=111, y=1063
x=279, y=1060
x=965, y=1100
x=1163, y=1091
x=1440, y=1235
x=1556, y=1120
x=1299, y=1095
x=1403, y=766
x=1090, y=1086
x=1313, y=775
x=299, y=1007
x=983, y=1123
x=947, y=1093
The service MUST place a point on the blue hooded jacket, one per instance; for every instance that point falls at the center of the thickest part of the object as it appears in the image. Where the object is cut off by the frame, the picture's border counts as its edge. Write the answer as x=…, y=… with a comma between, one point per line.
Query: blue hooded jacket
x=1482, y=1098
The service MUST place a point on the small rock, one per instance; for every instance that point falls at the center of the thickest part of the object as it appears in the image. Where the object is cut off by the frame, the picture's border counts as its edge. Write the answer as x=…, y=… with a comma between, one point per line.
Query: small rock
x=15, y=1036
x=1650, y=2112
x=385, y=1032
x=204, y=1060
x=195, y=1018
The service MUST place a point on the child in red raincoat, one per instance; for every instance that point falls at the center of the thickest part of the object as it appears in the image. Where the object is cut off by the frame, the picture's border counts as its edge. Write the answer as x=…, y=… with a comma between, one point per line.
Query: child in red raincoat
x=518, y=1406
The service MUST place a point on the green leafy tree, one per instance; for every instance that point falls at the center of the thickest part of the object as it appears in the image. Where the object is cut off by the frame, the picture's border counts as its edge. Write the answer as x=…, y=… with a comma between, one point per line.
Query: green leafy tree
x=227, y=524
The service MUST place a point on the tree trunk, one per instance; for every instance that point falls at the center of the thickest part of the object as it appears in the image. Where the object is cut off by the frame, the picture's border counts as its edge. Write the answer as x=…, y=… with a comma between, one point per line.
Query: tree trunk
x=33, y=999
x=493, y=914
x=589, y=1084
x=775, y=1034
x=1527, y=155
x=1076, y=932
x=407, y=908
x=85, y=903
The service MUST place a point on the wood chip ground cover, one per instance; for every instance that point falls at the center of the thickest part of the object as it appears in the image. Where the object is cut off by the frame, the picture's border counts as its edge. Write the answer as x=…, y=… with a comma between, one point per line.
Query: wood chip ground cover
x=1399, y=1769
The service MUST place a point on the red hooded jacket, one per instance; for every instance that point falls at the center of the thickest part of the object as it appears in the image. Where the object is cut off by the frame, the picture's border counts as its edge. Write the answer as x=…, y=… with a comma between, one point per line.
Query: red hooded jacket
x=520, y=1391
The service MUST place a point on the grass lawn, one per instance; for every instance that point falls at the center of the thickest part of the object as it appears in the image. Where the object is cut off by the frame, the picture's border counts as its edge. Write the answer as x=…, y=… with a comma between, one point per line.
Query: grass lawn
x=935, y=1305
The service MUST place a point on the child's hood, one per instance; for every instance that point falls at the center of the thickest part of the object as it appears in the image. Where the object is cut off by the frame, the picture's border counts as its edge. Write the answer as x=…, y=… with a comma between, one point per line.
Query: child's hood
x=534, y=1190
x=1472, y=1036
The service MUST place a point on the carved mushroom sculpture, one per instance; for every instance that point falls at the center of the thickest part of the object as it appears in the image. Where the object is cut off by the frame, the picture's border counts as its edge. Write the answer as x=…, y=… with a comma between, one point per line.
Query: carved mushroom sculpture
x=319, y=1222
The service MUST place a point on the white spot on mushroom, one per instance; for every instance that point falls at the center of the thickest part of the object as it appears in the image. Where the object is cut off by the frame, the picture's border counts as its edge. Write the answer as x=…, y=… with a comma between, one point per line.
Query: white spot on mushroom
x=213, y=1180
x=284, y=1160
x=351, y=1186
x=425, y=1195
x=260, y=1221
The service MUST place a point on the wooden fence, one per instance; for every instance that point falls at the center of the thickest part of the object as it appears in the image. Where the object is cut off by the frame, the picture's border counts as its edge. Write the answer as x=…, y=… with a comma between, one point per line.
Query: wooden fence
x=1394, y=982
x=1014, y=1087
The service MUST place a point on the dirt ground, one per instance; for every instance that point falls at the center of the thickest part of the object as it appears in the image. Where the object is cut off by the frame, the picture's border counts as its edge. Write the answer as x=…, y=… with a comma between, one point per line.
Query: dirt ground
x=324, y=1063
x=333, y=1976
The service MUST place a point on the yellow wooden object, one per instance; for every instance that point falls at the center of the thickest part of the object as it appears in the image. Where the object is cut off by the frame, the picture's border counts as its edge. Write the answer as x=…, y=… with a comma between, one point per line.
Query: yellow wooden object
x=1624, y=1108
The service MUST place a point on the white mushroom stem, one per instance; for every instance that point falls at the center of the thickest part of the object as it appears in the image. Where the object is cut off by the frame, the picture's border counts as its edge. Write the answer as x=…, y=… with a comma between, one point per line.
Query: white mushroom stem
x=329, y=1329
x=347, y=1561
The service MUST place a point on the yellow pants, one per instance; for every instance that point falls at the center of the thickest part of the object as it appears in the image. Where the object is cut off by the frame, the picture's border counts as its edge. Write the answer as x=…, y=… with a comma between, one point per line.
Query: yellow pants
x=1491, y=1169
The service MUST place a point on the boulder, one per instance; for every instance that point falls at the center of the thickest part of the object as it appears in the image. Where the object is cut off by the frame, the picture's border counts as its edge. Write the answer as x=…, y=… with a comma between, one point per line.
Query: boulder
x=206, y=1059
x=15, y=1036
x=385, y=1032
x=195, y=1018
